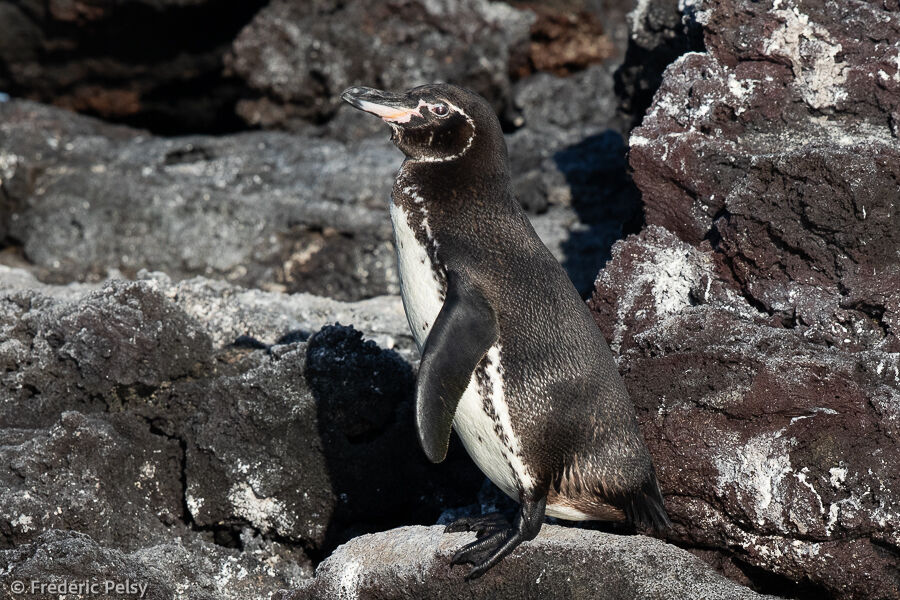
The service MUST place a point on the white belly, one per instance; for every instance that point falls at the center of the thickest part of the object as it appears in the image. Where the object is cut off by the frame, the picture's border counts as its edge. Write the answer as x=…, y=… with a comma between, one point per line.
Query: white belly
x=478, y=430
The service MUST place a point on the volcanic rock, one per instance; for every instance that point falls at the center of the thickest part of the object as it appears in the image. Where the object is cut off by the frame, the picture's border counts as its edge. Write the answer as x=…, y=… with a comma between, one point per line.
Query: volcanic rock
x=756, y=317
x=181, y=568
x=776, y=146
x=272, y=210
x=179, y=430
x=772, y=447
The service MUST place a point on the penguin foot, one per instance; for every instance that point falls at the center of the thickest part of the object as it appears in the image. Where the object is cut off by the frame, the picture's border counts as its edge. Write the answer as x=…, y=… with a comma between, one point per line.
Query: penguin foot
x=496, y=541
x=482, y=526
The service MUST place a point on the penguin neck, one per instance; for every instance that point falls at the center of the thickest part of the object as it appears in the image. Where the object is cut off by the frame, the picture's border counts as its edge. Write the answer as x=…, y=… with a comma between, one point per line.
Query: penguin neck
x=458, y=186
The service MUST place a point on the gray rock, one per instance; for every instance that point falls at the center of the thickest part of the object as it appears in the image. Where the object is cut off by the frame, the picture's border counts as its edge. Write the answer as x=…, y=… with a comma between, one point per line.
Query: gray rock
x=83, y=352
x=296, y=443
x=568, y=164
x=106, y=476
x=262, y=209
x=284, y=441
x=225, y=312
x=266, y=210
x=183, y=568
x=414, y=562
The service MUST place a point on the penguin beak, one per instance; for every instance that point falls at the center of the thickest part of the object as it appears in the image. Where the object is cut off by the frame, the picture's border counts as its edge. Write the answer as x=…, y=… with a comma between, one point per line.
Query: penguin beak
x=392, y=108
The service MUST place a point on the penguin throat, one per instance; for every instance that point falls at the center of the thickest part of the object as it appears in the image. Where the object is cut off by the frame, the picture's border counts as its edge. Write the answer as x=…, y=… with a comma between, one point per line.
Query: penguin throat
x=447, y=158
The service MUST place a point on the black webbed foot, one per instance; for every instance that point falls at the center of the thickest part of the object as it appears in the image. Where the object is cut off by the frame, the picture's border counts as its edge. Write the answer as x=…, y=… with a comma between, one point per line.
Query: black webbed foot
x=495, y=538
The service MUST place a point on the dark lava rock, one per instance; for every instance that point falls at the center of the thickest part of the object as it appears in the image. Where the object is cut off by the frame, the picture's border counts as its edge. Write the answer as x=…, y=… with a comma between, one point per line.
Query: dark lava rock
x=87, y=354
x=776, y=147
x=306, y=443
x=106, y=476
x=299, y=56
x=414, y=562
x=307, y=461
x=772, y=448
x=760, y=340
x=659, y=32
x=109, y=58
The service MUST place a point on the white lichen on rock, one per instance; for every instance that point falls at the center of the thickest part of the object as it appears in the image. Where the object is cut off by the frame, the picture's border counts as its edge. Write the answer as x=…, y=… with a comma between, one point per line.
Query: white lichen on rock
x=266, y=514
x=813, y=53
x=756, y=470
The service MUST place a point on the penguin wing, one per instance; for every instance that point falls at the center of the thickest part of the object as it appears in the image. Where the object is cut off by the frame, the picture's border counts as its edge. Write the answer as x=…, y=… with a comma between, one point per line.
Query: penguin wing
x=463, y=332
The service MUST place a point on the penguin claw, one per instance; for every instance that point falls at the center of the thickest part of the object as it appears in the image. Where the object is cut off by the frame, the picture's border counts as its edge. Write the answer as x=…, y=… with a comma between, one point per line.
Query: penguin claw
x=478, y=571
x=478, y=552
x=482, y=526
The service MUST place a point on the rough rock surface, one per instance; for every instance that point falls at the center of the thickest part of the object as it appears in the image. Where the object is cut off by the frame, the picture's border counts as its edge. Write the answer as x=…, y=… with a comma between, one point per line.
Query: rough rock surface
x=756, y=318
x=180, y=568
x=146, y=414
x=273, y=210
x=568, y=163
x=801, y=479
x=299, y=56
x=260, y=209
x=51, y=476
x=777, y=147
x=659, y=32
x=414, y=562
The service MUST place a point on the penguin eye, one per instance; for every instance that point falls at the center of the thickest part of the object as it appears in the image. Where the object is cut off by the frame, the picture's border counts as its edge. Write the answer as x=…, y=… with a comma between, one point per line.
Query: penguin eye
x=440, y=109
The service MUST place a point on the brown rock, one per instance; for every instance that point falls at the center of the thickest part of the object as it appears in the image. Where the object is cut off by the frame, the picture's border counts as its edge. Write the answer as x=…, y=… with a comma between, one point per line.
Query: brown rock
x=565, y=41
x=140, y=62
x=776, y=148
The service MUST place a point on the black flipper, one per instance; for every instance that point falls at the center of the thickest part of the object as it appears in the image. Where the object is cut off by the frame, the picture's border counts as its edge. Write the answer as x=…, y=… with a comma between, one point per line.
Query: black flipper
x=463, y=332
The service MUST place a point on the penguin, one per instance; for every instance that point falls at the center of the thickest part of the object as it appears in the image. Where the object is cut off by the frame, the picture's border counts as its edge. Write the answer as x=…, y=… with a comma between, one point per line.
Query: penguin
x=511, y=358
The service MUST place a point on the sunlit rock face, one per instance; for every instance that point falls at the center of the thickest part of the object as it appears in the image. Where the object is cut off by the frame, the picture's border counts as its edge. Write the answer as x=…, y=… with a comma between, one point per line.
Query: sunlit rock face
x=757, y=316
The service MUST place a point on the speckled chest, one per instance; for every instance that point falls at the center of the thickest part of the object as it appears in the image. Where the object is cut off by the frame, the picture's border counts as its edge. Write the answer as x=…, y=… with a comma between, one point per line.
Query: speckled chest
x=423, y=283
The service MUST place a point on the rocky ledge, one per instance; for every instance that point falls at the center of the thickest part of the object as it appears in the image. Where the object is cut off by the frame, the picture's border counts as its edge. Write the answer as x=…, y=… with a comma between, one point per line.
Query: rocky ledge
x=414, y=562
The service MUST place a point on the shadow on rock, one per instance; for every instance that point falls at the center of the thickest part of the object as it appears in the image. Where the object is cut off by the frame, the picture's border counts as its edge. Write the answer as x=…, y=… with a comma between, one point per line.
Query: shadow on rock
x=364, y=399
x=605, y=198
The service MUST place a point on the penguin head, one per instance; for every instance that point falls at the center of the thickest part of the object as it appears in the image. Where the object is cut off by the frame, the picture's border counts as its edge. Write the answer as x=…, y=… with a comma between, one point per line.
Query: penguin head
x=436, y=123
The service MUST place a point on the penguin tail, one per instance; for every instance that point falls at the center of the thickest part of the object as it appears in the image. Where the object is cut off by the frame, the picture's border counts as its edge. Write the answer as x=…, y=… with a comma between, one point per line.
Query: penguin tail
x=645, y=507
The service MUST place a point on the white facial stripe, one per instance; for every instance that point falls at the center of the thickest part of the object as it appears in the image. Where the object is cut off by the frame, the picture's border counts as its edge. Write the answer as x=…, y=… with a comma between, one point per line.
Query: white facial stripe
x=468, y=142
